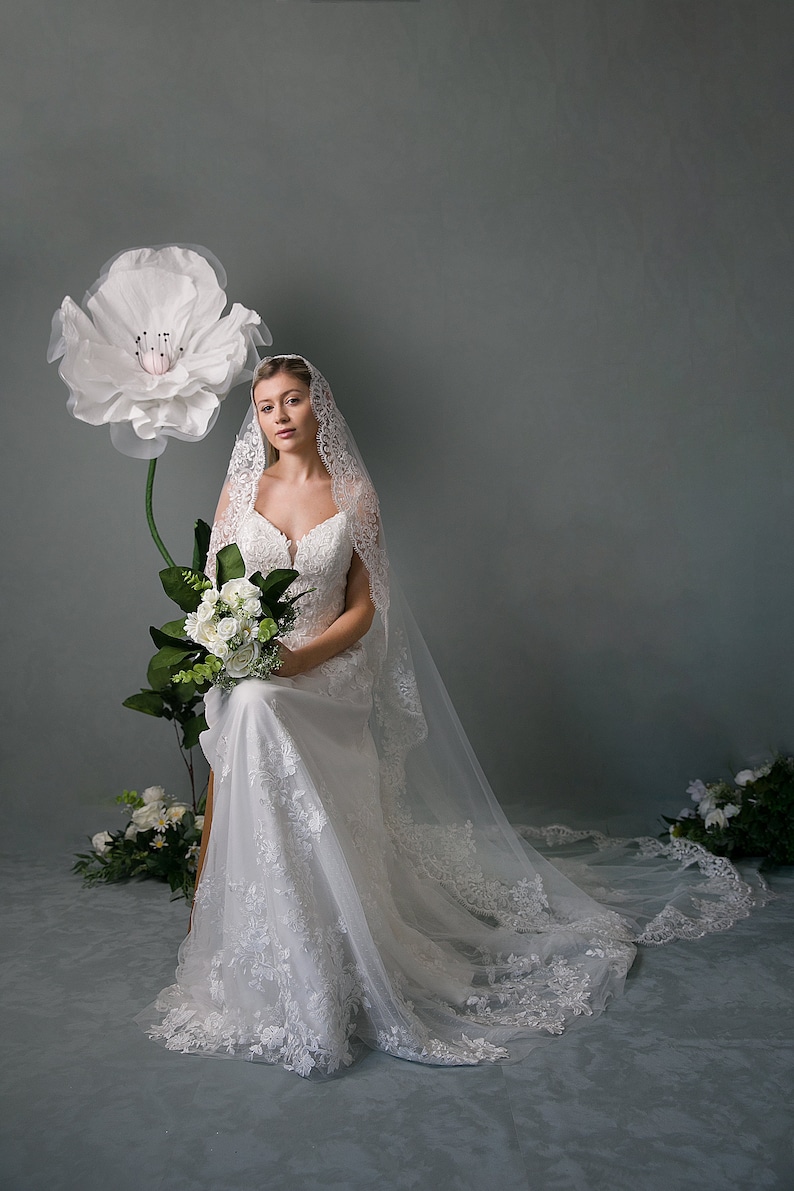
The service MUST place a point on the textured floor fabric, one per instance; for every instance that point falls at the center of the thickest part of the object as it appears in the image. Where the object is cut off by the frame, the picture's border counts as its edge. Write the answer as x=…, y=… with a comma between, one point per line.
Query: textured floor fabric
x=685, y=1082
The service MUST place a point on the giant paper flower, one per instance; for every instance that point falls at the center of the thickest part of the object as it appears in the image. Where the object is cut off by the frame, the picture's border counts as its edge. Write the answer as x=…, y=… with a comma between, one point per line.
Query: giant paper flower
x=151, y=354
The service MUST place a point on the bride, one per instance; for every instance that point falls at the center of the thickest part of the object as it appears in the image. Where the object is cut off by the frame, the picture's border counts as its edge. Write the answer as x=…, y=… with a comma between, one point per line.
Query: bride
x=358, y=884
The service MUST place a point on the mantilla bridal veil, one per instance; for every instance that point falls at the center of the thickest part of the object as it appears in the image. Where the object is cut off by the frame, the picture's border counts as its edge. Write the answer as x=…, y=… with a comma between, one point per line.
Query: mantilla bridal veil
x=362, y=886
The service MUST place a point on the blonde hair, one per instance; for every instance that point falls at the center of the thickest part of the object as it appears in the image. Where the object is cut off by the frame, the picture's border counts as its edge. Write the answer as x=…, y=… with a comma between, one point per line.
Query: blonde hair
x=273, y=367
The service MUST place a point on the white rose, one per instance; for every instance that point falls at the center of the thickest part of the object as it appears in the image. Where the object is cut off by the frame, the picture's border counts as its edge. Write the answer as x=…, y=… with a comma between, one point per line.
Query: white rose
x=206, y=634
x=239, y=663
x=131, y=831
x=730, y=810
x=204, y=613
x=175, y=812
x=220, y=650
x=199, y=824
x=251, y=607
x=210, y=595
x=745, y=776
x=228, y=628
x=716, y=818
x=100, y=842
x=153, y=794
x=147, y=816
x=235, y=591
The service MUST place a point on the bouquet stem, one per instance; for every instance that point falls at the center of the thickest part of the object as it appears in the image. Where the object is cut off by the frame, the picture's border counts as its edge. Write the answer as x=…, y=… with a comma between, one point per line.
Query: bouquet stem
x=158, y=541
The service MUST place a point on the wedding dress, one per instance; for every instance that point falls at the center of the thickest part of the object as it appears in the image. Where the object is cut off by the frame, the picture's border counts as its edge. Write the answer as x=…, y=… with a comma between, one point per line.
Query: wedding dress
x=361, y=886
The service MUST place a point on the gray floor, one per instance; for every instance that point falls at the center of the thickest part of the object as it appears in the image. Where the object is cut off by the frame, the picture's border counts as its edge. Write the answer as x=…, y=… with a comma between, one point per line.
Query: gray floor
x=683, y=1083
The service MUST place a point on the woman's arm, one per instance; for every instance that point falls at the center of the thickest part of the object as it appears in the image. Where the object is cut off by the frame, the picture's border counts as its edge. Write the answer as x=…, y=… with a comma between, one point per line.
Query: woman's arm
x=348, y=628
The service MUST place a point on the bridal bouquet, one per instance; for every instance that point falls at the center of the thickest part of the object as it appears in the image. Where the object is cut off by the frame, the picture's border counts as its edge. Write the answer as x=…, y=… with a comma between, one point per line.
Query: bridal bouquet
x=160, y=840
x=754, y=816
x=230, y=631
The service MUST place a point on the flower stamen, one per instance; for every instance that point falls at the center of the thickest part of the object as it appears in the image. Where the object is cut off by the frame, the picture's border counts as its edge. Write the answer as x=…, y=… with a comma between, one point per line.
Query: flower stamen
x=157, y=357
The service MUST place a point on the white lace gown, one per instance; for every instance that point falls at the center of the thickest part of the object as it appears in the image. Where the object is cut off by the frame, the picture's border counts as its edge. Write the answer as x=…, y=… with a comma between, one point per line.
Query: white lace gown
x=315, y=929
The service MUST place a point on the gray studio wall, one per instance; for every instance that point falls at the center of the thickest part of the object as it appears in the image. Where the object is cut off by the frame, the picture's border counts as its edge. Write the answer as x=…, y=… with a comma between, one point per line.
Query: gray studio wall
x=542, y=252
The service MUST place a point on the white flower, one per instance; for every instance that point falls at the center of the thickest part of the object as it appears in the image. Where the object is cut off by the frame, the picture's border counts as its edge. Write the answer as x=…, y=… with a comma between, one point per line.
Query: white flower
x=730, y=810
x=204, y=613
x=247, y=632
x=696, y=790
x=235, y=591
x=716, y=818
x=132, y=831
x=251, y=607
x=228, y=628
x=191, y=624
x=101, y=841
x=240, y=662
x=199, y=823
x=175, y=812
x=153, y=794
x=687, y=813
x=220, y=650
x=745, y=777
x=206, y=634
x=706, y=804
x=148, y=816
x=150, y=354
x=210, y=595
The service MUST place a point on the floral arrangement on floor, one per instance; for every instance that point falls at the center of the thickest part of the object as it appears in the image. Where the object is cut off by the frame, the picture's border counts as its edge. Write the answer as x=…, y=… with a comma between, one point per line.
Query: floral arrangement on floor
x=753, y=816
x=161, y=840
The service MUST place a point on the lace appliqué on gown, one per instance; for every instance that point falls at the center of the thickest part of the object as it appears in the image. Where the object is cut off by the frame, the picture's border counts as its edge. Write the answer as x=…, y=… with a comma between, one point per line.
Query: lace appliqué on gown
x=327, y=914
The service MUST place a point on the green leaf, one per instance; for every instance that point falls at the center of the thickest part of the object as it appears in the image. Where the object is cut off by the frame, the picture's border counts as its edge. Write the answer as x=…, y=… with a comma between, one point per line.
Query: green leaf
x=230, y=565
x=149, y=702
x=160, y=638
x=275, y=583
x=164, y=665
x=178, y=587
x=201, y=544
x=174, y=628
x=192, y=730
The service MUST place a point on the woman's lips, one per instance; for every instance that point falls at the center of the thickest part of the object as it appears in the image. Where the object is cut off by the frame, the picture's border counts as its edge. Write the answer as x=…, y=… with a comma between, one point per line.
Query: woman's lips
x=284, y=433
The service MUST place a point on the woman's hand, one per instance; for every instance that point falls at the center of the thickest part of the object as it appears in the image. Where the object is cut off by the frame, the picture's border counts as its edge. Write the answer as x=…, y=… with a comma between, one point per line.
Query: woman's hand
x=290, y=662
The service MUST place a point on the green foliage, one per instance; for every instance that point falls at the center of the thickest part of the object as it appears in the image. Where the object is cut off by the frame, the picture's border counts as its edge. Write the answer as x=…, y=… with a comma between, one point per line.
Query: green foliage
x=229, y=563
x=184, y=586
x=764, y=823
x=201, y=544
x=168, y=855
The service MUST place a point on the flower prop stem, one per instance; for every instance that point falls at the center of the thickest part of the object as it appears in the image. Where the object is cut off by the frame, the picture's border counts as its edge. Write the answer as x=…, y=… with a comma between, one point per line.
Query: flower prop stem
x=158, y=541
x=187, y=757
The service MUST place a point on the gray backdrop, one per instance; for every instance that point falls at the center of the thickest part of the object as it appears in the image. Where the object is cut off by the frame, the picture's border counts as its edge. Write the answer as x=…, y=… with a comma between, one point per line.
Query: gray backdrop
x=542, y=251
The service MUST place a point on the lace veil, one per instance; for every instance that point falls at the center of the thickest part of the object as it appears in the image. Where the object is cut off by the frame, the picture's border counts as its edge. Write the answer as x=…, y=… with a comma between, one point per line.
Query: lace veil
x=442, y=816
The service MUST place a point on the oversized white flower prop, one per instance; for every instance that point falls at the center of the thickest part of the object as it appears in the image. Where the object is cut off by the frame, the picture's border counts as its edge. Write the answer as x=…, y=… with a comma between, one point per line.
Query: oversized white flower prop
x=151, y=354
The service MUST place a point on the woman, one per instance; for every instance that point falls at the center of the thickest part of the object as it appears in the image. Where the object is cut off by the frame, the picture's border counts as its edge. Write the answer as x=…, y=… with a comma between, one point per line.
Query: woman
x=359, y=884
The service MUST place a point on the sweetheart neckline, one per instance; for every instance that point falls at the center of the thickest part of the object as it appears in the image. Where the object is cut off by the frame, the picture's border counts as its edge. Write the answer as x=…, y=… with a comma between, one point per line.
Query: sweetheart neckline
x=297, y=541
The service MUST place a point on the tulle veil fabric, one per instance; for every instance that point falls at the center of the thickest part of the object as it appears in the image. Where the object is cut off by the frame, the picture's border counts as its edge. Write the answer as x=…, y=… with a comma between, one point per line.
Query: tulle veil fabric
x=544, y=921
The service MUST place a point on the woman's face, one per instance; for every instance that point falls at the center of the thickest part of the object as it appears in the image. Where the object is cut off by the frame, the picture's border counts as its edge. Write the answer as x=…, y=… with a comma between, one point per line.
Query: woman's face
x=285, y=413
